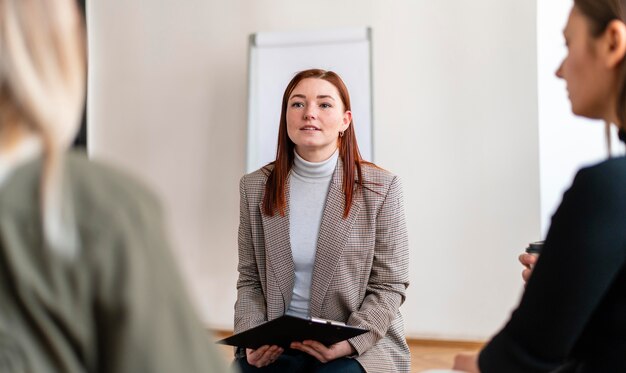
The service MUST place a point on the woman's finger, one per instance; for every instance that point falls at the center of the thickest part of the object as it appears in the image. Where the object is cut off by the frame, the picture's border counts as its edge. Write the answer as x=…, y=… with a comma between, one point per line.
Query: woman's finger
x=315, y=349
x=255, y=357
x=309, y=350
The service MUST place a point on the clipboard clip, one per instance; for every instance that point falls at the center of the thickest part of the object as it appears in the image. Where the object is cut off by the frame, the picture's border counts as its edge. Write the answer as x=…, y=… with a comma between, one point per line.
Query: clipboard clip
x=325, y=321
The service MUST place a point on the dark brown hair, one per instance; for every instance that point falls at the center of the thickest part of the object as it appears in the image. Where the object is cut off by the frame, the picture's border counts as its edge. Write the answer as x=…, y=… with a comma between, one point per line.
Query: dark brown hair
x=599, y=14
x=274, y=198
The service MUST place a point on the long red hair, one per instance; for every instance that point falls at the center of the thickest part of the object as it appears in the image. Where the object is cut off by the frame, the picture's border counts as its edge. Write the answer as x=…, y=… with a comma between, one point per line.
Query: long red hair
x=274, y=198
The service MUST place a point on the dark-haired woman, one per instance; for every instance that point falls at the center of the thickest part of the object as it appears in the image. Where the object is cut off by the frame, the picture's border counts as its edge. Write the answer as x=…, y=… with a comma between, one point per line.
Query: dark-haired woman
x=322, y=233
x=572, y=317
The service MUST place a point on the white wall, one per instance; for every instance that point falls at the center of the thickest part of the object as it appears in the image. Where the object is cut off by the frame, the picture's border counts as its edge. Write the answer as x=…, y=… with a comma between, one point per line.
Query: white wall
x=455, y=105
x=455, y=115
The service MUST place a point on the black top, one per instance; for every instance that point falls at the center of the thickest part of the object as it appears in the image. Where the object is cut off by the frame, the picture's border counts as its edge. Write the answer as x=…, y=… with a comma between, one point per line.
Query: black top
x=574, y=307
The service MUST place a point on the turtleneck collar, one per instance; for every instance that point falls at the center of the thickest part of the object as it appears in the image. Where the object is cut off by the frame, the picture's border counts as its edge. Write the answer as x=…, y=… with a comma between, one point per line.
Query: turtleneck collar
x=315, y=170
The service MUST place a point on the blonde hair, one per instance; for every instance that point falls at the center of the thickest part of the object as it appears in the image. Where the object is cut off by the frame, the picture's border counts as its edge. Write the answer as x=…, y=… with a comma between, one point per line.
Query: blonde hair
x=42, y=82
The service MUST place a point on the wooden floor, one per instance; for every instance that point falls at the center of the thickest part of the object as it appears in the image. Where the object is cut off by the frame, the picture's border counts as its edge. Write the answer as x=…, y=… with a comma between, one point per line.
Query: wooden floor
x=425, y=354
x=437, y=354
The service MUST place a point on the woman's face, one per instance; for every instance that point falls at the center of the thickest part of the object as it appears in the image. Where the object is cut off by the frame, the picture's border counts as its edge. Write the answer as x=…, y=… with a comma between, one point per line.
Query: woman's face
x=590, y=84
x=315, y=117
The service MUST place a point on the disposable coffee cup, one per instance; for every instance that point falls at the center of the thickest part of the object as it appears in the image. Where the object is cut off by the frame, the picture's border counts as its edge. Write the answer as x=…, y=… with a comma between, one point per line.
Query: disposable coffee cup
x=534, y=248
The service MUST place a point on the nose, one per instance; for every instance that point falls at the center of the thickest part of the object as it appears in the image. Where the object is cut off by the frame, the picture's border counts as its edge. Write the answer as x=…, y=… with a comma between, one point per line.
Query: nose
x=559, y=71
x=309, y=113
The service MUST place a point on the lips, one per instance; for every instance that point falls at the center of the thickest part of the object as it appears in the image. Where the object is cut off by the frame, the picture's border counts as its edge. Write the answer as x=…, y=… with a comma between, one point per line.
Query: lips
x=309, y=128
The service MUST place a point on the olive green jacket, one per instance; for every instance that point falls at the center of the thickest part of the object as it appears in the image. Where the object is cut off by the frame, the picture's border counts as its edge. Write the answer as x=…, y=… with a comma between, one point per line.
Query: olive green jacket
x=118, y=306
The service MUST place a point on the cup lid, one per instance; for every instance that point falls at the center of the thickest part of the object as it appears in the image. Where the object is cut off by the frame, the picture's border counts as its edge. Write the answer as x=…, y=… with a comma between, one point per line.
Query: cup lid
x=535, y=247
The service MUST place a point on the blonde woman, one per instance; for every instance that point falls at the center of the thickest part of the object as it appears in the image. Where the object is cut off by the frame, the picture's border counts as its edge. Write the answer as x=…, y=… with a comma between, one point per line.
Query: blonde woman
x=86, y=278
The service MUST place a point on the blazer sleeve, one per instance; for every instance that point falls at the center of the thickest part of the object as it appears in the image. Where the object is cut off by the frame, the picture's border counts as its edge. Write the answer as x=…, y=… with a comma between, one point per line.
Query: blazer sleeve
x=250, y=308
x=389, y=277
x=583, y=254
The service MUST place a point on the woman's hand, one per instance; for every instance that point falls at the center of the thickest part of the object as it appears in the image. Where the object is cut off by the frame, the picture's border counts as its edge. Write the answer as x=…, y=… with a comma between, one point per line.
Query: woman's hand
x=263, y=356
x=528, y=261
x=323, y=353
x=466, y=363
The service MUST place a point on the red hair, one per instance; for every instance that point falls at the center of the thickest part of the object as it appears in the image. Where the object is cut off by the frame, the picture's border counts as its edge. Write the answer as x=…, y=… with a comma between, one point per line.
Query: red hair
x=274, y=198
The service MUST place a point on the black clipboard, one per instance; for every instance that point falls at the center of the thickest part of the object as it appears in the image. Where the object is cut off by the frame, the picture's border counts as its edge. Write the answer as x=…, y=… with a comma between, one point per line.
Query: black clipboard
x=287, y=328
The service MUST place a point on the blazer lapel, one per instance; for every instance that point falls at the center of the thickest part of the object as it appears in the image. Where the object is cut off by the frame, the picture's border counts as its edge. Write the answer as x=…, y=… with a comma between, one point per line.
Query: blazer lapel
x=278, y=250
x=334, y=232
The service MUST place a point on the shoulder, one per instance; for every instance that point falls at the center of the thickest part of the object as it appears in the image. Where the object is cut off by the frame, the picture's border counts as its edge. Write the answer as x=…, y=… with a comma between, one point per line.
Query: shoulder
x=104, y=194
x=95, y=181
x=20, y=193
x=601, y=187
x=613, y=167
x=256, y=179
x=605, y=177
x=98, y=194
x=84, y=181
x=378, y=179
x=377, y=173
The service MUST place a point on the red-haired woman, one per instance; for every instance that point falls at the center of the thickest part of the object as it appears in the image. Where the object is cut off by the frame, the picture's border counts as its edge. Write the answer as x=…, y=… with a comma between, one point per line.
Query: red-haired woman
x=322, y=234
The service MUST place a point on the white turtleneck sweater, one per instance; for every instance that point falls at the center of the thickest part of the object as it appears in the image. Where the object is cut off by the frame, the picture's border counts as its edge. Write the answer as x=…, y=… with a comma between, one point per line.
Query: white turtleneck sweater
x=308, y=188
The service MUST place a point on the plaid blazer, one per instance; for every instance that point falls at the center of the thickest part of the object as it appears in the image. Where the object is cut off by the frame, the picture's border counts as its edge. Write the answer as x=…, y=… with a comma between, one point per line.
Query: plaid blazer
x=360, y=273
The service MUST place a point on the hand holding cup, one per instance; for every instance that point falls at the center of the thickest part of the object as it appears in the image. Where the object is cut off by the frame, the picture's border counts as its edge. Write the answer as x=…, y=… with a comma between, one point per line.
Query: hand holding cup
x=529, y=258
